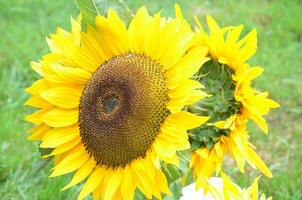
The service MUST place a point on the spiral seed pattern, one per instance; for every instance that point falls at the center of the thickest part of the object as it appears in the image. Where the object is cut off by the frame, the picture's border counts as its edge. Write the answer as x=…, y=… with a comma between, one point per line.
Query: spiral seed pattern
x=122, y=109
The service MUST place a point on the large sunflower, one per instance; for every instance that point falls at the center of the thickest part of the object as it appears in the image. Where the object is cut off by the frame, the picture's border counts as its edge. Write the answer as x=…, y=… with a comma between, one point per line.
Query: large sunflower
x=227, y=77
x=111, y=102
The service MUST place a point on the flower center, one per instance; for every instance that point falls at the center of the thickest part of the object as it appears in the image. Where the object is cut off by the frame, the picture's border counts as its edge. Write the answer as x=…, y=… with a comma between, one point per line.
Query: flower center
x=122, y=109
x=110, y=103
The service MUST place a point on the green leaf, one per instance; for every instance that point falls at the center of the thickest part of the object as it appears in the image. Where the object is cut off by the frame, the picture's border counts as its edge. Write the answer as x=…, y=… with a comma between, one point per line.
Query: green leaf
x=189, y=177
x=138, y=195
x=45, y=151
x=92, y=8
x=184, y=160
x=173, y=175
x=88, y=10
x=176, y=189
x=171, y=172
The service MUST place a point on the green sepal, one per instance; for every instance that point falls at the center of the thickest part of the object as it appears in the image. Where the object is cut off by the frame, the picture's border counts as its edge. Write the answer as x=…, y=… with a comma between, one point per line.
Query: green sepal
x=218, y=83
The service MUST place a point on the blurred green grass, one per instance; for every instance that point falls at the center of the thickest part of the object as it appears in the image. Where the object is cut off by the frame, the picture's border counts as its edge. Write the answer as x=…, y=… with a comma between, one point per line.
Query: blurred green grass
x=24, y=24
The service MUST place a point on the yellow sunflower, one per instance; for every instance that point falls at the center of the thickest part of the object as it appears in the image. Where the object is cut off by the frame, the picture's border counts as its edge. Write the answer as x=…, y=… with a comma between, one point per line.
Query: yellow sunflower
x=227, y=77
x=110, y=102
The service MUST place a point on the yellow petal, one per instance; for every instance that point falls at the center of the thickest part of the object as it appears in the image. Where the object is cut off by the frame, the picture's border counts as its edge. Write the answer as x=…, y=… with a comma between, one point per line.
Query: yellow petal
x=230, y=190
x=76, y=29
x=142, y=182
x=186, y=67
x=113, y=183
x=105, y=181
x=163, y=149
x=91, y=42
x=172, y=42
x=97, y=43
x=119, y=29
x=173, y=159
x=127, y=186
x=220, y=124
x=76, y=56
x=254, y=72
x=254, y=158
x=37, y=102
x=234, y=35
x=57, y=117
x=200, y=28
x=113, y=33
x=254, y=189
x=69, y=155
x=136, y=30
x=37, y=87
x=188, y=120
x=174, y=131
x=213, y=26
x=173, y=143
x=248, y=46
x=37, y=117
x=97, y=193
x=70, y=74
x=184, y=89
x=38, y=132
x=177, y=47
x=92, y=182
x=249, y=154
x=57, y=136
x=260, y=121
x=66, y=146
x=151, y=34
x=223, y=60
x=195, y=96
x=178, y=12
x=70, y=165
x=162, y=182
x=175, y=105
x=63, y=97
x=37, y=67
x=81, y=173
x=240, y=160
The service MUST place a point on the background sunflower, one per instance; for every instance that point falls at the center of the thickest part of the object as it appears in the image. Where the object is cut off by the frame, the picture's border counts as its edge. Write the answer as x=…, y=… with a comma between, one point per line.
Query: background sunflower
x=279, y=37
x=234, y=101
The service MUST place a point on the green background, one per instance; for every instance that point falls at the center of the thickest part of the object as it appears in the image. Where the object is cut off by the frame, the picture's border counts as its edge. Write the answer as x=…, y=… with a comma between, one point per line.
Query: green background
x=24, y=24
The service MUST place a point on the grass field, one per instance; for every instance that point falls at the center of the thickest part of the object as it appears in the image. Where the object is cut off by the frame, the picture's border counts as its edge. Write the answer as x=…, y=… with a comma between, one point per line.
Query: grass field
x=24, y=24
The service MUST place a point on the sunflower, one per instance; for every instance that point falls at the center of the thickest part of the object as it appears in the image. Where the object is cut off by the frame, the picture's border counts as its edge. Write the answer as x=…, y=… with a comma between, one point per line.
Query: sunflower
x=227, y=78
x=110, y=102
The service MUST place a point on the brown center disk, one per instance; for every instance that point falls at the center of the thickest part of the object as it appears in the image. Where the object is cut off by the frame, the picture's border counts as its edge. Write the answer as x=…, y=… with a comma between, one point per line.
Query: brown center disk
x=122, y=108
